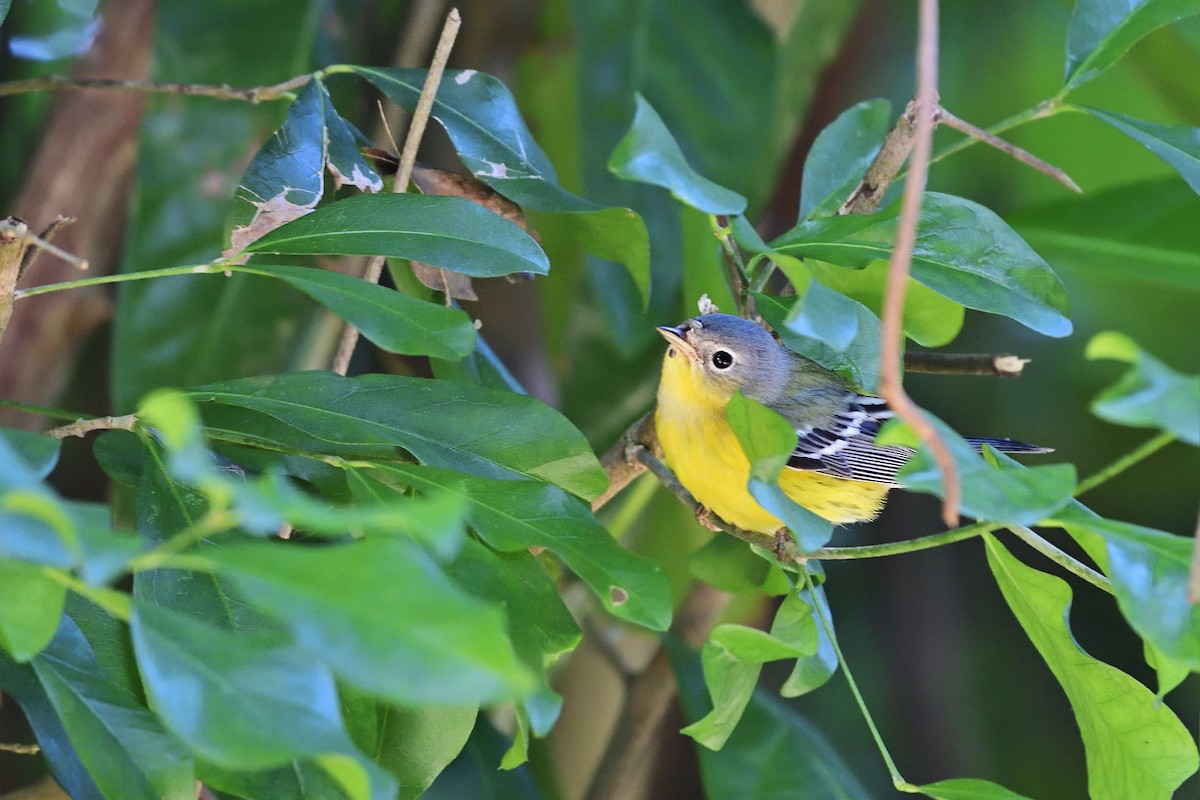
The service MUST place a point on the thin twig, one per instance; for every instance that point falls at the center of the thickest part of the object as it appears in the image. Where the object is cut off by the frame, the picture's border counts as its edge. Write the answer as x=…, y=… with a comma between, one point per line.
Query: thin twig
x=1146, y=449
x=1024, y=156
x=735, y=268
x=254, y=94
x=1063, y=559
x=48, y=233
x=20, y=749
x=1194, y=574
x=1000, y=365
x=15, y=229
x=83, y=427
x=408, y=157
x=891, y=382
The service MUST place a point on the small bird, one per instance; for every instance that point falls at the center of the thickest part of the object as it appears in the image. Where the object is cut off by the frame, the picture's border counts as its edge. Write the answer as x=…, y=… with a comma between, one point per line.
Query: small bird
x=836, y=470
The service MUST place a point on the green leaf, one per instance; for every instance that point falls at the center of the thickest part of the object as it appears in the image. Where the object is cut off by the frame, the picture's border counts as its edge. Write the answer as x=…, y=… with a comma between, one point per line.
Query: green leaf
x=969, y=789
x=20, y=683
x=343, y=154
x=26, y=456
x=122, y=744
x=473, y=774
x=995, y=488
x=768, y=441
x=796, y=621
x=1136, y=746
x=442, y=231
x=31, y=603
x=493, y=142
x=783, y=752
x=242, y=700
x=441, y=423
x=732, y=658
x=838, y=333
x=929, y=319
x=840, y=155
x=728, y=564
x=648, y=153
x=515, y=515
x=1097, y=233
x=1178, y=145
x=1149, y=573
x=413, y=744
x=963, y=251
x=1101, y=31
x=1150, y=394
x=397, y=322
x=384, y=616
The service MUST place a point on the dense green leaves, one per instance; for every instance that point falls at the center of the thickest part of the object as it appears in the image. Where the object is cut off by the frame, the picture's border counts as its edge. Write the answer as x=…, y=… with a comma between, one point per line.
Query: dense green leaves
x=448, y=232
x=1150, y=394
x=963, y=251
x=123, y=745
x=511, y=516
x=444, y=424
x=1178, y=145
x=385, y=618
x=393, y=320
x=1101, y=31
x=840, y=155
x=649, y=154
x=1136, y=747
x=482, y=120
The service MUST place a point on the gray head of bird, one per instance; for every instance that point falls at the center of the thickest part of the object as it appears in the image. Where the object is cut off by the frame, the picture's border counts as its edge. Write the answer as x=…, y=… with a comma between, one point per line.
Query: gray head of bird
x=731, y=353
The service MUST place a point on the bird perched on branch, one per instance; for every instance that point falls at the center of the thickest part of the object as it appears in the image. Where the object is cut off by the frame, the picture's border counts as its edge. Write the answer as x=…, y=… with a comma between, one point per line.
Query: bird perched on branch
x=836, y=470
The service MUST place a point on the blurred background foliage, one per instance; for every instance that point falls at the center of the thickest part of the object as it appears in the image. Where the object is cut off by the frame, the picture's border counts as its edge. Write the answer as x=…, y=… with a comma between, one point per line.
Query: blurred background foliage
x=745, y=87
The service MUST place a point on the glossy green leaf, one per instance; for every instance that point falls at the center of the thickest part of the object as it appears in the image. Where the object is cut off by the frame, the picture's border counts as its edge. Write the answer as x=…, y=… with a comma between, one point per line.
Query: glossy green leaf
x=768, y=441
x=969, y=789
x=995, y=488
x=123, y=745
x=242, y=700
x=963, y=251
x=1101, y=31
x=413, y=744
x=442, y=231
x=1149, y=573
x=473, y=774
x=732, y=658
x=1178, y=145
x=191, y=153
x=384, y=616
x=1150, y=394
x=727, y=564
x=929, y=319
x=444, y=424
x=343, y=154
x=1136, y=746
x=286, y=178
x=515, y=515
x=783, y=752
x=833, y=330
x=397, y=322
x=20, y=683
x=796, y=621
x=303, y=779
x=648, y=153
x=31, y=603
x=840, y=155
x=493, y=142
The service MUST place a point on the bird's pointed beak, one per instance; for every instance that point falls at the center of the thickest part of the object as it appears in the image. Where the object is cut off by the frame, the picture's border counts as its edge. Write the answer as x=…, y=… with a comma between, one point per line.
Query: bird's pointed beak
x=677, y=338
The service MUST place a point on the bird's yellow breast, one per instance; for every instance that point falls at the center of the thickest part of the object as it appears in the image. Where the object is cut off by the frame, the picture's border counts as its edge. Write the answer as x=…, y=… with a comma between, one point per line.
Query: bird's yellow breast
x=703, y=452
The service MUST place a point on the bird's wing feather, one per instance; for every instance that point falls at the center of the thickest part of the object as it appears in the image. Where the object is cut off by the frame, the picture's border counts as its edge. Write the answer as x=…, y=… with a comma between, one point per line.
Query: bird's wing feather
x=844, y=447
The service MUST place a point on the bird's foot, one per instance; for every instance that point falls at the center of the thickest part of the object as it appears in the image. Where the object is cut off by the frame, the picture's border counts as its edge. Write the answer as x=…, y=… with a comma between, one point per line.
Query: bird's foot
x=705, y=517
x=784, y=548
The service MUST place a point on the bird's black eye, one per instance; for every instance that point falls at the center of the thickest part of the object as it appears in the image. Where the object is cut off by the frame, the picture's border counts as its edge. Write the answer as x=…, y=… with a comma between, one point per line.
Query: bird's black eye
x=722, y=359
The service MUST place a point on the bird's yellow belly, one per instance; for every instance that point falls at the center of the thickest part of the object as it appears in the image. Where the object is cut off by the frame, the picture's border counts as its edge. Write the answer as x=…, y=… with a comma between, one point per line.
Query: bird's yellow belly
x=702, y=451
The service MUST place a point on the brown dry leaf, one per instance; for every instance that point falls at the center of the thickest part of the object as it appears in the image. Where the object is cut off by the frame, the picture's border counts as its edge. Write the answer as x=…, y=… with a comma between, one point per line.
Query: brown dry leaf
x=270, y=214
x=436, y=181
x=452, y=284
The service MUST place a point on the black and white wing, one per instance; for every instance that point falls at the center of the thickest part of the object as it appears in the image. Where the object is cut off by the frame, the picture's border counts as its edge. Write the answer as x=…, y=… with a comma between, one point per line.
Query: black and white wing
x=845, y=447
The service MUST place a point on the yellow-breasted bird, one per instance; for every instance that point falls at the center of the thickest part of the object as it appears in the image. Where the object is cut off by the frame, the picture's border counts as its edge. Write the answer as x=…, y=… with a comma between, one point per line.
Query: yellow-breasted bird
x=836, y=471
